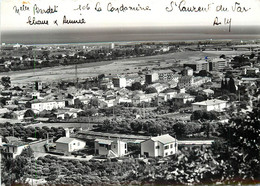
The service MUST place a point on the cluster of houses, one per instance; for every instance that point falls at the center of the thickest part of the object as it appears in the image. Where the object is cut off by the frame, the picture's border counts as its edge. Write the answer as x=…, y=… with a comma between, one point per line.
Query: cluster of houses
x=170, y=84
x=159, y=146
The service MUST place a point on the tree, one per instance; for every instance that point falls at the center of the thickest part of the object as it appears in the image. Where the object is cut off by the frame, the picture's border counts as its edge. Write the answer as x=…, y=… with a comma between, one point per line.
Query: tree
x=136, y=86
x=150, y=90
x=240, y=152
x=200, y=98
x=222, y=56
x=94, y=102
x=29, y=113
x=231, y=85
x=6, y=81
x=252, y=55
x=196, y=115
x=78, y=103
x=203, y=73
x=136, y=126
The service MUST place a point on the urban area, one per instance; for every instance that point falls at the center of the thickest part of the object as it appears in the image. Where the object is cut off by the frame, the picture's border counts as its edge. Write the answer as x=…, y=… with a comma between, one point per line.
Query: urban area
x=158, y=113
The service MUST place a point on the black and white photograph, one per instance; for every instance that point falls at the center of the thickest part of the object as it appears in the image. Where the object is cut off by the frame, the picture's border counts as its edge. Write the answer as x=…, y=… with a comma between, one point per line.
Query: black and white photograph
x=129, y=92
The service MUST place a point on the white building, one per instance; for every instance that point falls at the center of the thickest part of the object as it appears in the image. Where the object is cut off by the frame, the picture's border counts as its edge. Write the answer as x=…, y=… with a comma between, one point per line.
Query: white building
x=119, y=82
x=210, y=105
x=15, y=148
x=162, y=146
x=19, y=114
x=38, y=105
x=151, y=77
x=66, y=144
x=110, y=148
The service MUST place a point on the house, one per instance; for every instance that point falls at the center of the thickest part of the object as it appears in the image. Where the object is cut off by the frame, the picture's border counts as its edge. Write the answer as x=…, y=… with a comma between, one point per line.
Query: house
x=19, y=114
x=161, y=98
x=14, y=146
x=119, y=100
x=210, y=105
x=110, y=148
x=159, y=86
x=207, y=92
x=67, y=144
x=183, y=98
x=250, y=70
x=162, y=146
x=3, y=111
x=140, y=98
x=40, y=105
x=198, y=81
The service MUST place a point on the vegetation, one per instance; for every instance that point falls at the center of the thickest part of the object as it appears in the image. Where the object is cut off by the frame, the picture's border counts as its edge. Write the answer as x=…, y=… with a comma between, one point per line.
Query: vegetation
x=22, y=132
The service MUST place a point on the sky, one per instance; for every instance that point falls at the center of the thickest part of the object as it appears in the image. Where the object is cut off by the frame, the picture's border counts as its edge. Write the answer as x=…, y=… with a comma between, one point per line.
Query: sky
x=156, y=14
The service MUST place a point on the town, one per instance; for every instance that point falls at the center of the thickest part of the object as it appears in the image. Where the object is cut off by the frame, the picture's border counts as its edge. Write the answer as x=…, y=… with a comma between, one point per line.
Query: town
x=130, y=113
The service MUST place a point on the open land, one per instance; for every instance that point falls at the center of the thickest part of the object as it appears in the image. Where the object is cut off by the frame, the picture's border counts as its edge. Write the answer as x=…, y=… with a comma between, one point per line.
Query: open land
x=114, y=67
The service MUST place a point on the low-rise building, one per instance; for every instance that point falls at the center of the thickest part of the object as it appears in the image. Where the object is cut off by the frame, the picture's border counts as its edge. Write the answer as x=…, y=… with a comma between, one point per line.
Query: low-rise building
x=161, y=146
x=40, y=105
x=210, y=105
x=183, y=98
x=66, y=144
x=110, y=148
x=14, y=146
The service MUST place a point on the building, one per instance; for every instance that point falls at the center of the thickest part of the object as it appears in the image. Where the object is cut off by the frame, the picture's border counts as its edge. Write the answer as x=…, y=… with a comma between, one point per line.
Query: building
x=159, y=86
x=40, y=105
x=208, y=92
x=187, y=71
x=143, y=98
x=210, y=105
x=183, y=98
x=66, y=144
x=165, y=75
x=119, y=82
x=151, y=78
x=110, y=148
x=162, y=146
x=19, y=114
x=38, y=85
x=250, y=70
x=198, y=81
x=14, y=146
x=197, y=65
x=217, y=64
x=186, y=82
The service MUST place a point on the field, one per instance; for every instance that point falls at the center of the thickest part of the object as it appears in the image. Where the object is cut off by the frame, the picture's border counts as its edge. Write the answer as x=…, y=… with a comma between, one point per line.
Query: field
x=124, y=66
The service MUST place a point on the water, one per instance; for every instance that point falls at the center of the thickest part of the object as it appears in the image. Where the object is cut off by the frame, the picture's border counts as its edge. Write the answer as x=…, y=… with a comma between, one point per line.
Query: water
x=131, y=34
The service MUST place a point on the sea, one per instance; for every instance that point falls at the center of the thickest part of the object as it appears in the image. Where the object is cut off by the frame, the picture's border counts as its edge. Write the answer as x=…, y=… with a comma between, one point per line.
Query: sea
x=131, y=34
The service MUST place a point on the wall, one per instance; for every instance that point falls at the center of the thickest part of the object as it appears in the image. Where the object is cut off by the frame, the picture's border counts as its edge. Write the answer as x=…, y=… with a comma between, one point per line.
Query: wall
x=148, y=146
x=62, y=147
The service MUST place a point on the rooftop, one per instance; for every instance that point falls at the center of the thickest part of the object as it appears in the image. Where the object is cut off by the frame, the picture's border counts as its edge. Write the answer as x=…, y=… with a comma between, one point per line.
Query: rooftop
x=166, y=138
x=65, y=140
x=210, y=102
x=104, y=141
